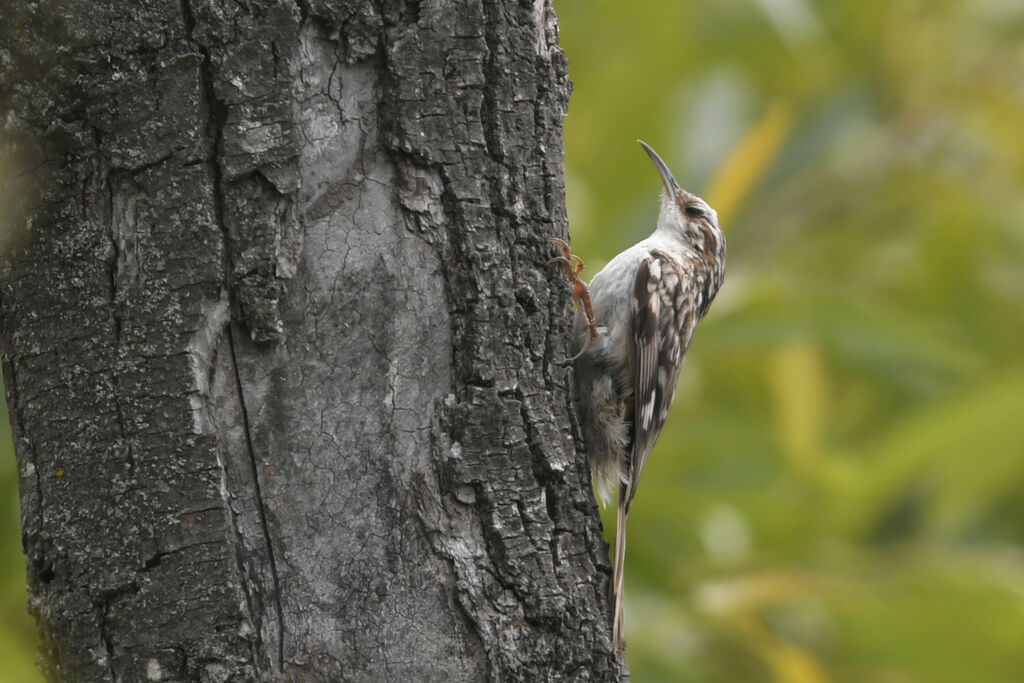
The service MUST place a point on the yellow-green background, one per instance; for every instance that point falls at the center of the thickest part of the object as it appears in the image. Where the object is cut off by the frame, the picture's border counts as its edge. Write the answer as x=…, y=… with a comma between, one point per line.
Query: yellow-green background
x=839, y=492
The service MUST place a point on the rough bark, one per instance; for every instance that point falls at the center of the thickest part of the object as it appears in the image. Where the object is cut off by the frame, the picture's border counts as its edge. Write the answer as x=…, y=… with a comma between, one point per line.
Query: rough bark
x=285, y=364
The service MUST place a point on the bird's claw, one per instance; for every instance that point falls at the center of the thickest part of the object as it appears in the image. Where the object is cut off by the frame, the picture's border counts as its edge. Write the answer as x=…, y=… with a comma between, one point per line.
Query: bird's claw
x=580, y=293
x=573, y=263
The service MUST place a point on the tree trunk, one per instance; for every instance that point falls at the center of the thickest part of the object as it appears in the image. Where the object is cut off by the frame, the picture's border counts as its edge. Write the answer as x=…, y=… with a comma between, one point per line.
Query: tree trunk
x=285, y=363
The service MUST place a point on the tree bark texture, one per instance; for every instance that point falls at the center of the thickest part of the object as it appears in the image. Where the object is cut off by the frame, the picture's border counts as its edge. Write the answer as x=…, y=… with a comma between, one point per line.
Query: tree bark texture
x=284, y=358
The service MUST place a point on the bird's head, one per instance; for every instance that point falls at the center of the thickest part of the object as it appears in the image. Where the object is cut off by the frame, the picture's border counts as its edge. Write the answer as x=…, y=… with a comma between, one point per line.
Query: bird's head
x=685, y=216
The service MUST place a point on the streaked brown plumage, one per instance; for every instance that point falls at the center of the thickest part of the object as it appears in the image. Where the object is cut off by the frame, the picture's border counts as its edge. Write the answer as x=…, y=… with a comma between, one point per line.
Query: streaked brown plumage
x=646, y=303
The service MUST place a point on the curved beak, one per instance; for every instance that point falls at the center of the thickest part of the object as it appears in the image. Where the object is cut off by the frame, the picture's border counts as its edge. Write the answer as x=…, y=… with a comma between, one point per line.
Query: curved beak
x=667, y=179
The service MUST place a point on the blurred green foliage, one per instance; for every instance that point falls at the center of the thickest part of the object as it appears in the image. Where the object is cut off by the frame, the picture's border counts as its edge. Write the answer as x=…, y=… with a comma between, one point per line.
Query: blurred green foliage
x=839, y=492
x=18, y=643
x=17, y=629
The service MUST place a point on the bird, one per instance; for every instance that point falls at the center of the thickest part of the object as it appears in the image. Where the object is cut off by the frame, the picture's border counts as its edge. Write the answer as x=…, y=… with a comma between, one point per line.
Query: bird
x=635, y=321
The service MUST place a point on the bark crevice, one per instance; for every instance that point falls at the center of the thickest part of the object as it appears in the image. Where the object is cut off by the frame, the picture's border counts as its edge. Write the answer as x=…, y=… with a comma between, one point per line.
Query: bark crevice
x=117, y=322
x=260, y=505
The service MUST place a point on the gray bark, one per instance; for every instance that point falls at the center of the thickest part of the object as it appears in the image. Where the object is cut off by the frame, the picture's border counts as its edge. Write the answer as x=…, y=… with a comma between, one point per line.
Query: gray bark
x=285, y=363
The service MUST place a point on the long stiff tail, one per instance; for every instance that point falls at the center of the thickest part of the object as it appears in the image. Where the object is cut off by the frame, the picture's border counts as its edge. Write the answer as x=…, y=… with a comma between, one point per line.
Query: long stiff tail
x=618, y=577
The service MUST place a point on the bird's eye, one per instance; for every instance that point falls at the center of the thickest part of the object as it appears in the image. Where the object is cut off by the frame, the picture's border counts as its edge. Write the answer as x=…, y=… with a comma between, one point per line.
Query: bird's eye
x=695, y=211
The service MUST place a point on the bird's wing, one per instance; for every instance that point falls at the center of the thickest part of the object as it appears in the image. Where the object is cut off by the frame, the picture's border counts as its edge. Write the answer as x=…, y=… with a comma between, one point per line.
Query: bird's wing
x=663, y=317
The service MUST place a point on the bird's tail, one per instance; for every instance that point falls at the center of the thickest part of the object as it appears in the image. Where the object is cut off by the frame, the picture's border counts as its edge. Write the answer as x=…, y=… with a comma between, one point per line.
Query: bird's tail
x=618, y=577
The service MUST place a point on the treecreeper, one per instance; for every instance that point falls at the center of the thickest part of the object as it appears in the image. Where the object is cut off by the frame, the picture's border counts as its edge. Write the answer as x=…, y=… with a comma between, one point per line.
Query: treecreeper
x=635, y=321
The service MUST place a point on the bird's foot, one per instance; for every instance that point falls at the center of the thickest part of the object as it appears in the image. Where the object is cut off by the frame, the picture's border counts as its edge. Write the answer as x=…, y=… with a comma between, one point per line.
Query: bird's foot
x=580, y=293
